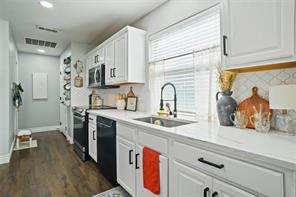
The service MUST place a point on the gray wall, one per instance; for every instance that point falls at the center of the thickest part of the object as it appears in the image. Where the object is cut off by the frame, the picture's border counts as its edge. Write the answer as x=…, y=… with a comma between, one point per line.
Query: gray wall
x=39, y=113
x=8, y=74
x=4, y=87
x=13, y=77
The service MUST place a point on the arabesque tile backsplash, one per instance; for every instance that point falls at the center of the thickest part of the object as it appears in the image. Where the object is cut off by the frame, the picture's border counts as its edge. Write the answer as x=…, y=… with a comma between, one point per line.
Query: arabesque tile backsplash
x=242, y=87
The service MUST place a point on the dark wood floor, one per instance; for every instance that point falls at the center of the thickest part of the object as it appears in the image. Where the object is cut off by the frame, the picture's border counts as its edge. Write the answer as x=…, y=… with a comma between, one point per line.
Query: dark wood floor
x=52, y=169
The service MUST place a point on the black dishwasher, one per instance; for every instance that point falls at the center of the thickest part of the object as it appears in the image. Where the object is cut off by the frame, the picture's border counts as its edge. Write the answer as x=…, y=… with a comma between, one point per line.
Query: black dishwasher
x=106, y=145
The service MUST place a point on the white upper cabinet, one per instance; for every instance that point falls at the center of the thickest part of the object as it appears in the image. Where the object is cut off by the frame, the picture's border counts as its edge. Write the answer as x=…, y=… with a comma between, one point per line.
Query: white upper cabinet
x=256, y=31
x=109, y=62
x=120, y=64
x=100, y=56
x=124, y=56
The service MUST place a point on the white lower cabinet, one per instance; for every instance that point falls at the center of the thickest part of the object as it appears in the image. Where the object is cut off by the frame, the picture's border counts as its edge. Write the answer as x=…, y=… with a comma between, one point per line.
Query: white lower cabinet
x=187, y=170
x=129, y=164
x=92, y=141
x=187, y=182
x=221, y=189
x=163, y=170
x=125, y=158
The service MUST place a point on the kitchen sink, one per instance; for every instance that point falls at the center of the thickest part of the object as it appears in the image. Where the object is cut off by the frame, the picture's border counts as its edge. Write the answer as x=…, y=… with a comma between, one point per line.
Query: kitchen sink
x=165, y=122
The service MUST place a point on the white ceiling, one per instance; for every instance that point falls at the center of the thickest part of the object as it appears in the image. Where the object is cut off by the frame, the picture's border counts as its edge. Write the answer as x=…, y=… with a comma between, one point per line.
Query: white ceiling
x=84, y=21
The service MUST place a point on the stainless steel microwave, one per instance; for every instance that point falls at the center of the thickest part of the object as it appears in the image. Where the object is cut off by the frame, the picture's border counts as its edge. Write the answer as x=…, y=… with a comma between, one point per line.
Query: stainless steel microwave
x=96, y=76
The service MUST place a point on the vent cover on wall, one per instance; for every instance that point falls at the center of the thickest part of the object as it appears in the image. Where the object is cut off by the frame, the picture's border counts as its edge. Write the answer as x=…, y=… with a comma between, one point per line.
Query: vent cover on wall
x=42, y=43
x=52, y=30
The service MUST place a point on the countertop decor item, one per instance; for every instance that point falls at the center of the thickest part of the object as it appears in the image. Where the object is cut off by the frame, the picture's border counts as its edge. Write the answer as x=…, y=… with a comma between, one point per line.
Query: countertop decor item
x=253, y=104
x=239, y=119
x=226, y=105
x=261, y=121
x=120, y=103
x=284, y=97
x=131, y=103
x=131, y=93
x=225, y=79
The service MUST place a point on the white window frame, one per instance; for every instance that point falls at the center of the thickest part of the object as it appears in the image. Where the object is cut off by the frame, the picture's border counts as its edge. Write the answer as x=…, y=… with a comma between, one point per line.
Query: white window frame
x=172, y=28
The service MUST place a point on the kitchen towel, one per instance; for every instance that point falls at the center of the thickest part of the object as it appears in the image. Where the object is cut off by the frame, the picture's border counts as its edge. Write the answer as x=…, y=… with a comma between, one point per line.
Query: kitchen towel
x=151, y=176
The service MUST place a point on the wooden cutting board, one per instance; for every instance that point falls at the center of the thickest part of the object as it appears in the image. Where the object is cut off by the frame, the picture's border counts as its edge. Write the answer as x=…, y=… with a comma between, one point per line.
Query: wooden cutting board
x=254, y=100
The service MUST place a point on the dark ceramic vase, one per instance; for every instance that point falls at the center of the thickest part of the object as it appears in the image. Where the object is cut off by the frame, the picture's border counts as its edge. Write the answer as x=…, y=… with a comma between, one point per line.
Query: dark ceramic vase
x=226, y=105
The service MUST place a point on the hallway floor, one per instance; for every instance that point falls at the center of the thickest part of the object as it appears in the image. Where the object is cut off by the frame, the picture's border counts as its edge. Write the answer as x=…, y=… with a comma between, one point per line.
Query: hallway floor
x=50, y=170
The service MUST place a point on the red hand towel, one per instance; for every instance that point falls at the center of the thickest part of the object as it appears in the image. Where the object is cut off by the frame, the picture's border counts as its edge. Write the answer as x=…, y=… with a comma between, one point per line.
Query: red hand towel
x=151, y=177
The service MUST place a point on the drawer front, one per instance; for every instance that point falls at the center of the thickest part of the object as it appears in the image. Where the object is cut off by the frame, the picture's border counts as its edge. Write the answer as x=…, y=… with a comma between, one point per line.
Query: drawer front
x=92, y=119
x=259, y=179
x=154, y=142
x=126, y=132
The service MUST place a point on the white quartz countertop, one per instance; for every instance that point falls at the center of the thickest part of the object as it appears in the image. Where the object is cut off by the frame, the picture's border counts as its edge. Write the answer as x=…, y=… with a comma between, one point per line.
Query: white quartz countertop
x=280, y=149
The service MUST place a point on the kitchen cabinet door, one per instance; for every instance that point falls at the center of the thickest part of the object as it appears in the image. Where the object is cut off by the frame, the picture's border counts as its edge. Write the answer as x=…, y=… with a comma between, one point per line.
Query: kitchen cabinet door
x=189, y=182
x=222, y=189
x=256, y=31
x=109, y=63
x=163, y=169
x=88, y=66
x=91, y=58
x=120, y=62
x=100, y=56
x=92, y=141
x=125, y=159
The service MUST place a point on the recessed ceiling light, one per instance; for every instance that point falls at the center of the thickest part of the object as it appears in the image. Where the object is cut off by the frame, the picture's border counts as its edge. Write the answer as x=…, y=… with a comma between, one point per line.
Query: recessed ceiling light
x=46, y=4
x=41, y=50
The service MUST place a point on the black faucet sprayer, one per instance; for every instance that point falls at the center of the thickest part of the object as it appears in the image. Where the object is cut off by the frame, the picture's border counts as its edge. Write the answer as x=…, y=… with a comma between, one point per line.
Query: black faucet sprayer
x=175, y=98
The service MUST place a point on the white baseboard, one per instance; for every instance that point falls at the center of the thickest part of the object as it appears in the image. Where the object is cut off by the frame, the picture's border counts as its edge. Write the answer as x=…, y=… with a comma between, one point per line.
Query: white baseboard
x=43, y=129
x=6, y=157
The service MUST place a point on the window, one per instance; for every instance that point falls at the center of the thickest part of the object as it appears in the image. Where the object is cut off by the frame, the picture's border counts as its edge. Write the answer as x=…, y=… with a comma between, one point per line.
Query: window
x=187, y=55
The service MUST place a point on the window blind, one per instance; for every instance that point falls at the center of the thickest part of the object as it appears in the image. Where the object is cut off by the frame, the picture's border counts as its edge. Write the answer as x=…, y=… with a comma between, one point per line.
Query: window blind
x=173, y=57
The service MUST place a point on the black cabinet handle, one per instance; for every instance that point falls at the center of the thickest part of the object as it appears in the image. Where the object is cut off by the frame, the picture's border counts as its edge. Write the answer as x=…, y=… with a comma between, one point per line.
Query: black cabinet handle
x=206, y=190
x=215, y=194
x=220, y=166
x=90, y=119
x=224, y=46
x=130, y=157
x=137, y=167
x=114, y=75
x=111, y=72
x=94, y=135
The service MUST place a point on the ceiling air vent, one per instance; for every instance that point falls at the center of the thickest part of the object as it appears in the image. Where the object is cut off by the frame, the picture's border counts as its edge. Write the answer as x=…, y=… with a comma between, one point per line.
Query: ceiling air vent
x=42, y=43
x=52, y=30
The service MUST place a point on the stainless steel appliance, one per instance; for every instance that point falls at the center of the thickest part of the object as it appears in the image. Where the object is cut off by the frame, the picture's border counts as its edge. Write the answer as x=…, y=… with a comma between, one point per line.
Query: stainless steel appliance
x=80, y=128
x=96, y=76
